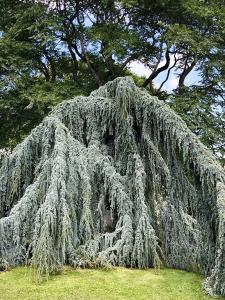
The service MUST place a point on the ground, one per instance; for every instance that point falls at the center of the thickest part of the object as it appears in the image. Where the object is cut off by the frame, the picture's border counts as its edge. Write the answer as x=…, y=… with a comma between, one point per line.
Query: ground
x=116, y=284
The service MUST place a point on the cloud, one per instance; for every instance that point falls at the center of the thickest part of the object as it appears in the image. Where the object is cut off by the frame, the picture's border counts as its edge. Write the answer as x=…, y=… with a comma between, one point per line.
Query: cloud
x=139, y=68
x=171, y=84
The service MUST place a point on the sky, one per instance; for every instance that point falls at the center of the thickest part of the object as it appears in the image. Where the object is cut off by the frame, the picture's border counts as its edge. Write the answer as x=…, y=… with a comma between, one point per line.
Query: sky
x=141, y=70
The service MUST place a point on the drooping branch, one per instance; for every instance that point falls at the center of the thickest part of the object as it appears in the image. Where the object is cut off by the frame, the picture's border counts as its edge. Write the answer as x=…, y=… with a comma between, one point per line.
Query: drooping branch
x=114, y=178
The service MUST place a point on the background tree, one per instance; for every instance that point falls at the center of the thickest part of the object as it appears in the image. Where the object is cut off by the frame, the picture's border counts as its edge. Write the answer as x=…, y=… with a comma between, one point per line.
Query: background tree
x=51, y=50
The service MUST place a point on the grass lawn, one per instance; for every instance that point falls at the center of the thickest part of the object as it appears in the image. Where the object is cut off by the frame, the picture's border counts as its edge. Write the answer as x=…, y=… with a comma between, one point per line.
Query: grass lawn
x=117, y=284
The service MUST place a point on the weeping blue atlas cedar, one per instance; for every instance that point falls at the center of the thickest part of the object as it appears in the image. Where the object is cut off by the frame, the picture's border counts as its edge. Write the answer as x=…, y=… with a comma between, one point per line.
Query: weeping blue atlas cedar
x=115, y=178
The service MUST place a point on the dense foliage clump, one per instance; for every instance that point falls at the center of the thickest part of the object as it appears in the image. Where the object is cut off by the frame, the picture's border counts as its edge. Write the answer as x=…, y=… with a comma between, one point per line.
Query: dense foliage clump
x=116, y=177
x=53, y=50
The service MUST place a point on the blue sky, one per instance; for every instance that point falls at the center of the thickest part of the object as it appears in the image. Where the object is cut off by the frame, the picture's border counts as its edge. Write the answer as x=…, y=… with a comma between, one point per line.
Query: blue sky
x=141, y=70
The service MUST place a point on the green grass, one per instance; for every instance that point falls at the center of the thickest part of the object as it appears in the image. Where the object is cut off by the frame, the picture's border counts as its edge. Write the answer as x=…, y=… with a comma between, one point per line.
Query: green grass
x=117, y=284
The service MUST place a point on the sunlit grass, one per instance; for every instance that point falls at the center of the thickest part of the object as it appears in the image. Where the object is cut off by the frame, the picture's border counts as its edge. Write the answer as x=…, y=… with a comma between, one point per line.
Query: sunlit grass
x=117, y=284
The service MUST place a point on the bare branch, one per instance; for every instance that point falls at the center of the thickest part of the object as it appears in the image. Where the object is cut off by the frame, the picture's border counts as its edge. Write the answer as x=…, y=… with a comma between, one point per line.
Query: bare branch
x=158, y=71
x=168, y=74
x=186, y=71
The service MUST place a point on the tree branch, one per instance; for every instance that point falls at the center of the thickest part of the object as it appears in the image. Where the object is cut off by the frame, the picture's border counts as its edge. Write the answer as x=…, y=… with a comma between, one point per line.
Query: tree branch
x=159, y=70
x=186, y=71
x=168, y=74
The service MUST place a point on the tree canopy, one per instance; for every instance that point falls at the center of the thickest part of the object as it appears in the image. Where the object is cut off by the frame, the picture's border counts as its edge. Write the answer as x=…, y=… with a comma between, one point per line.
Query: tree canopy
x=51, y=50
